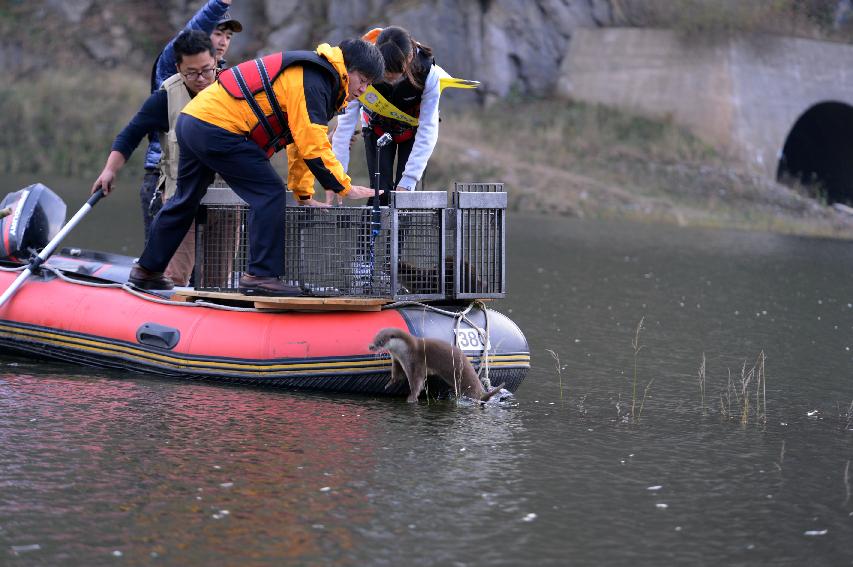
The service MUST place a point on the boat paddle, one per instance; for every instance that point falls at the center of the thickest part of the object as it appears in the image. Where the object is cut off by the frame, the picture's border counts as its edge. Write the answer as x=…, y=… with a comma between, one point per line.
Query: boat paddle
x=376, y=221
x=46, y=252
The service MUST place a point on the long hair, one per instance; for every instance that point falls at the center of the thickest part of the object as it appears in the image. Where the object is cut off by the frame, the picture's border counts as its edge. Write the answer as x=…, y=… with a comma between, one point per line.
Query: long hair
x=399, y=50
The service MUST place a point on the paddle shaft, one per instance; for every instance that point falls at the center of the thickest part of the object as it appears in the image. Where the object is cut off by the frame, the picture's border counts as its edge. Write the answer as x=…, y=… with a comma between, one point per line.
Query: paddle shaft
x=381, y=142
x=47, y=251
x=376, y=220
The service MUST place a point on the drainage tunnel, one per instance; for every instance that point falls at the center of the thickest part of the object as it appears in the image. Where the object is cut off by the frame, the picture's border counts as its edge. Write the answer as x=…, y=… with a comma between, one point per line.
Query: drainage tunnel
x=818, y=152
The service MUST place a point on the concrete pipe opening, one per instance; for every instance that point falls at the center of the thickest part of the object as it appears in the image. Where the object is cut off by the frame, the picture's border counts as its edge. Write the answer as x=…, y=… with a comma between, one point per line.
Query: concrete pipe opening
x=818, y=153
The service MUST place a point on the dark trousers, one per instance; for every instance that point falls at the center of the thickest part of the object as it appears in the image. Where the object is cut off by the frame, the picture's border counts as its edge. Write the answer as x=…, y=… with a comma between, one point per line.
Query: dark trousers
x=205, y=151
x=146, y=194
x=387, y=180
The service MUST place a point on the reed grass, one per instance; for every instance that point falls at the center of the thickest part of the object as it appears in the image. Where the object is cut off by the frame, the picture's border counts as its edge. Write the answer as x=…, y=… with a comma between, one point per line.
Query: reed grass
x=702, y=385
x=726, y=398
x=556, y=358
x=761, y=389
x=845, y=417
x=745, y=379
x=749, y=394
x=643, y=401
x=636, y=347
x=781, y=456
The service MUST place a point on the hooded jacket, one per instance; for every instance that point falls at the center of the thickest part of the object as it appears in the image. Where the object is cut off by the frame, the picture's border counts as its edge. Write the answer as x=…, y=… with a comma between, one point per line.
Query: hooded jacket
x=164, y=67
x=307, y=95
x=420, y=102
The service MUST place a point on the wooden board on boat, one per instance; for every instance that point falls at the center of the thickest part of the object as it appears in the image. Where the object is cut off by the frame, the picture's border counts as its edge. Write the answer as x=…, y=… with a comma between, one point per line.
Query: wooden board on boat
x=288, y=303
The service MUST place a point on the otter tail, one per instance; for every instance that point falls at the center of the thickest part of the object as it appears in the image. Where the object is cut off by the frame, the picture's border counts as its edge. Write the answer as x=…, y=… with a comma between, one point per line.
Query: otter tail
x=488, y=395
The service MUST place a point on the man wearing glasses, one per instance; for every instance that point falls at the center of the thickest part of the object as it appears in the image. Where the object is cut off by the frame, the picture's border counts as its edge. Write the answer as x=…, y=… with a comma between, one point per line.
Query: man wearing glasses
x=196, y=66
x=215, y=20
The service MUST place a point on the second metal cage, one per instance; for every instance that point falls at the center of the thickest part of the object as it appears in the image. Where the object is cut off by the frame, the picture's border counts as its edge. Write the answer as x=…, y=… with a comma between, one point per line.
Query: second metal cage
x=479, y=241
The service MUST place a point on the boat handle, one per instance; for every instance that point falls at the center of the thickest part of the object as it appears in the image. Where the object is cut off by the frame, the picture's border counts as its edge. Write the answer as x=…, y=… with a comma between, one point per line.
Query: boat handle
x=156, y=335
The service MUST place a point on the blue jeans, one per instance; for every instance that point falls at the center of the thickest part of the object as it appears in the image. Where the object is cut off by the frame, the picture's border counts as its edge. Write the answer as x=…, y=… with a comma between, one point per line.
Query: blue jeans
x=206, y=150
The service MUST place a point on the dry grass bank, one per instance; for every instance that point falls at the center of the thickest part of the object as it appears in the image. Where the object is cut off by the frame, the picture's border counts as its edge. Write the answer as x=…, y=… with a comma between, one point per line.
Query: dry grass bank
x=63, y=122
x=593, y=161
x=555, y=157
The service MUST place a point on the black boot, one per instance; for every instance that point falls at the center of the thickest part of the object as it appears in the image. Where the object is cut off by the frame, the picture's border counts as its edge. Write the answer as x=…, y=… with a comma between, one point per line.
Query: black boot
x=146, y=279
x=266, y=285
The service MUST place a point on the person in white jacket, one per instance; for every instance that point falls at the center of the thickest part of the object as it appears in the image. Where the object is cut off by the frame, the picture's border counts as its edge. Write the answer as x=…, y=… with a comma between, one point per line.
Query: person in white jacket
x=404, y=105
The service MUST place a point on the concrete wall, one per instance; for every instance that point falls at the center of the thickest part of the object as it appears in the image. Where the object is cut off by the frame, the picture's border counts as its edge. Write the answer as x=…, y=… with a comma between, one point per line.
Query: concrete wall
x=776, y=80
x=741, y=94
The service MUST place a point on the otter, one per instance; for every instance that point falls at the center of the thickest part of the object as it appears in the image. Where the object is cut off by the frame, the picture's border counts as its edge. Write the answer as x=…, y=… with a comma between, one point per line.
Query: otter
x=416, y=358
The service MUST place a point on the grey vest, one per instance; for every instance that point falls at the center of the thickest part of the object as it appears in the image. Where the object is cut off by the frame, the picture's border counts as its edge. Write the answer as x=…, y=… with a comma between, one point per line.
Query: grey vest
x=178, y=97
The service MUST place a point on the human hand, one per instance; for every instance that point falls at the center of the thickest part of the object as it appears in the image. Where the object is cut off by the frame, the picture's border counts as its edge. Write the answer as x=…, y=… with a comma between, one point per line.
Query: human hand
x=361, y=192
x=354, y=137
x=333, y=198
x=104, y=181
x=312, y=202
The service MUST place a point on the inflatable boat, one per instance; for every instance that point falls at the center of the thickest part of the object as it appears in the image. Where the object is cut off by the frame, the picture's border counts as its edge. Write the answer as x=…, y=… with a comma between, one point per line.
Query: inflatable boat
x=78, y=307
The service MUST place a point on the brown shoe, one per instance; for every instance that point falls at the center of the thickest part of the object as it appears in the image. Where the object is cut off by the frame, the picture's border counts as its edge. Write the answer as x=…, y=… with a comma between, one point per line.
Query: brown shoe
x=146, y=279
x=266, y=285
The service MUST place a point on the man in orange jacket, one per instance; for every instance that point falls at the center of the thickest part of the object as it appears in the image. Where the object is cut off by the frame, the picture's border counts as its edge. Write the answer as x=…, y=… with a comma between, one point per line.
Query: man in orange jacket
x=234, y=126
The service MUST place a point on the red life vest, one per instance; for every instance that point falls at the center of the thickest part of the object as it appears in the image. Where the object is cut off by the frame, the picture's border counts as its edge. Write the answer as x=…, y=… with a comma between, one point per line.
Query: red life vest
x=250, y=78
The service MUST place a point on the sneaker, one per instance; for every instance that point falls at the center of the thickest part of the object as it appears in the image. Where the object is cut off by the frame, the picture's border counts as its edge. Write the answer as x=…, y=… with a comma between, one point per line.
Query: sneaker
x=148, y=280
x=267, y=285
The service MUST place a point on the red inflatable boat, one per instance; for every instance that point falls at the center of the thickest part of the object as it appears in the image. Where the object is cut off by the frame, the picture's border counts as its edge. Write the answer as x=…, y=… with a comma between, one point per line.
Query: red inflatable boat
x=78, y=308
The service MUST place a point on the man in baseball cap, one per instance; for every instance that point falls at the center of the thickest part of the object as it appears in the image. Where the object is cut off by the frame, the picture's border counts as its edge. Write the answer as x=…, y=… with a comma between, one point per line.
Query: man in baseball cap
x=221, y=35
x=228, y=22
x=213, y=18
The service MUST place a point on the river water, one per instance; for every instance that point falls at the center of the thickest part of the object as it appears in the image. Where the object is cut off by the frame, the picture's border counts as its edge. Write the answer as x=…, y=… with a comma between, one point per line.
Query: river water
x=112, y=468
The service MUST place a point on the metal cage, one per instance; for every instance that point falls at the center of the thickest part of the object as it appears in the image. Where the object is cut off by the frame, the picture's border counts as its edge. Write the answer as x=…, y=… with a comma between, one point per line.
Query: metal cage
x=419, y=250
x=479, y=241
x=418, y=247
x=222, y=240
x=333, y=251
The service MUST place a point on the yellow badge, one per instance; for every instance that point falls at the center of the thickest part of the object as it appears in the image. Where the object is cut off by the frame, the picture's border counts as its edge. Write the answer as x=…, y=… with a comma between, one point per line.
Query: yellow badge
x=377, y=103
x=380, y=105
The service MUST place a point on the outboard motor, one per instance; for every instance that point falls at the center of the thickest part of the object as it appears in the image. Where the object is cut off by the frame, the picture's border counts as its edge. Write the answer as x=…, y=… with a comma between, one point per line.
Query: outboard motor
x=34, y=215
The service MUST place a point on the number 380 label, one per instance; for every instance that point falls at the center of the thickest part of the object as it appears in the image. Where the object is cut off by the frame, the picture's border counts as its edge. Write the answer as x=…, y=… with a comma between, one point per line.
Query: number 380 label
x=470, y=339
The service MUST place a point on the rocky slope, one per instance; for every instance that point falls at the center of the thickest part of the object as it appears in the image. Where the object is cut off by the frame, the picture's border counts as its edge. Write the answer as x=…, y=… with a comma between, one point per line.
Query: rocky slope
x=509, y=45
x=66, y=53
x=512, y=46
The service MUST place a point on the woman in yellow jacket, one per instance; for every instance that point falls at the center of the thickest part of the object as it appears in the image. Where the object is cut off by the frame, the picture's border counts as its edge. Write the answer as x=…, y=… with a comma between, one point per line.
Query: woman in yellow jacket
x=233, y=127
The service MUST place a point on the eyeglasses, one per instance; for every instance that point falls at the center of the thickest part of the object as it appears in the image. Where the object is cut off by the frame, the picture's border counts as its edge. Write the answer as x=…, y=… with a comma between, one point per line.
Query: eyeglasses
x=206, y=73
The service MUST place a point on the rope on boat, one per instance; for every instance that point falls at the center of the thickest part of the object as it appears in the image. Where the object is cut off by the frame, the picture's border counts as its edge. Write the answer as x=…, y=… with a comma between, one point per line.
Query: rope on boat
x=18, y=269
x=459, y=317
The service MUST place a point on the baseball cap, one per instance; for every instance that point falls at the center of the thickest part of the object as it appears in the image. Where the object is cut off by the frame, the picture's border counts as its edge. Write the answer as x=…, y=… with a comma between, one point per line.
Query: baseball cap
x=230, y=22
